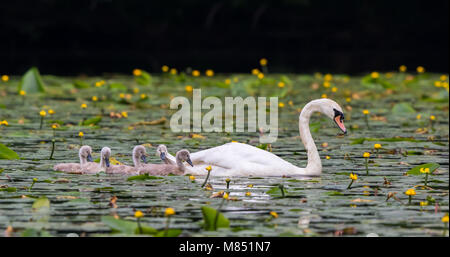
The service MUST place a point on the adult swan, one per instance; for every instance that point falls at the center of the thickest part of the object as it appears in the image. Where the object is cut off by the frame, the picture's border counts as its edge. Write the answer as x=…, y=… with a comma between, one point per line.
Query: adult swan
x=237, y=159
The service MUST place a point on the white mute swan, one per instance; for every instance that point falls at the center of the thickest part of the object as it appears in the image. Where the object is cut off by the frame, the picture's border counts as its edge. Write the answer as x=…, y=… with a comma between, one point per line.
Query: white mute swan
x=166, y=169
x=237, y=159
x=85, y=154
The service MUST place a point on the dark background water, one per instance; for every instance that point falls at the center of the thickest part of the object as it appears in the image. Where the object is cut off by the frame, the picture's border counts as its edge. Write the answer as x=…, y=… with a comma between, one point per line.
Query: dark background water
x=95, y=36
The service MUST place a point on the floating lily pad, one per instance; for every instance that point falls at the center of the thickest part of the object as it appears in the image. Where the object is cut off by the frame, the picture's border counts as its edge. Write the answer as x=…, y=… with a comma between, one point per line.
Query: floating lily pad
x=416, y=170
x=209, y=218
x=8, y=154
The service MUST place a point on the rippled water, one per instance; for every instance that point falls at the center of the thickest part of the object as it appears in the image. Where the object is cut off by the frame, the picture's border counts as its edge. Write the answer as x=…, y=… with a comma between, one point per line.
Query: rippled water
x=320, y=206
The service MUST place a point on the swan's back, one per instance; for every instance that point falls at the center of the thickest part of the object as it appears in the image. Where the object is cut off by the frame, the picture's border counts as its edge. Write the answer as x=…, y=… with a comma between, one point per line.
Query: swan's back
x=91, y=168
x=122, y=169
x=238, y=159
x=68, y=167
x=160, y=169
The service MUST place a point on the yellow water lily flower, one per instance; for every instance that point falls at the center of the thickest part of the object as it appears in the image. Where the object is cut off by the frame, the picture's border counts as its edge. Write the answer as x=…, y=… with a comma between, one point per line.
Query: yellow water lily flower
x=366, y=155
x=420, y=69
x=410, y=191
x=263, y=62
x=42, y=113
x=138, y=214
x=274, y=214
x=137, y=72
x=424, y=170
x=169, y=212
x=165, y=68
x=353, y=176
x=255, y=71
x=195, y=73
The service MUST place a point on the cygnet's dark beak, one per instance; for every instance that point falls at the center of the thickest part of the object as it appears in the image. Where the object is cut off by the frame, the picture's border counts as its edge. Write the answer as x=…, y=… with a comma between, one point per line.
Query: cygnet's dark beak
x=107, y=162
x=144, y=158
x=89, y=158
x=163, y=156
x=190, y=162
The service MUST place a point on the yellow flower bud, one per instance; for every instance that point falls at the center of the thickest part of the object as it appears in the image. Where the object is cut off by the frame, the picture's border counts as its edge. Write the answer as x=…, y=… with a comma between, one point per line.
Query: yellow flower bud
x=137, y=72
x=169, y=212
x=263, y=62
x=138, y=214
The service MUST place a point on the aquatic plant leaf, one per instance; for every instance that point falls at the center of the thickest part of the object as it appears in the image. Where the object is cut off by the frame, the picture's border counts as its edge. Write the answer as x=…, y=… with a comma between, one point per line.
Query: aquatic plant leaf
x=30, y=232
x=92, y=121
x=81, y=84
x=209, y=216
x=416, y=170
x=402, y=108
x=170, y=233
x=119, y=225
x=8, y=154
x=9, y=189
x=142, y=177
x=276, y=192
x=32, y=82
x=144, y=79
x=41, y=202
x=126, y=226
x=145, y=230
x=118, y=87
x=358, y=141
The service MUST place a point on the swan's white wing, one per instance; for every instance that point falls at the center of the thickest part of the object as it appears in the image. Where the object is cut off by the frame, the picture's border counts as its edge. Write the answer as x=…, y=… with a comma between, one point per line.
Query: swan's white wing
x=237, y=159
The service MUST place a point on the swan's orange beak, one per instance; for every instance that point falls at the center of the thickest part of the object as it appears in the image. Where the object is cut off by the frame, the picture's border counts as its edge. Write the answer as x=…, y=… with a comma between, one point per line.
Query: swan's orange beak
x=340, y=122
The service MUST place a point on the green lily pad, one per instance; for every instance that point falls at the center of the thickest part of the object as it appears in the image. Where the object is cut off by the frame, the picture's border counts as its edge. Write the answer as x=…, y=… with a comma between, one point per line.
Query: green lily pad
x=32, y=82
x=41, y=202
x=403, y=108
x=209, y=216
x=416, y=170
x=170, y=233
x=8, y=154
x=92, y=121
x=126, y=226
x=142, y=177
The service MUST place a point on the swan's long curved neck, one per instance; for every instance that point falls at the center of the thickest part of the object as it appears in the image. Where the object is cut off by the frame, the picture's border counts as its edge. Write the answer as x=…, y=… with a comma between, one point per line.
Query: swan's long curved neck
x=136, y=160
x=83, y=160
x=314, y=166
x=102, y=162
x=180, y=163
